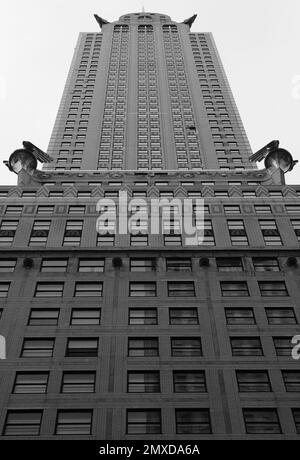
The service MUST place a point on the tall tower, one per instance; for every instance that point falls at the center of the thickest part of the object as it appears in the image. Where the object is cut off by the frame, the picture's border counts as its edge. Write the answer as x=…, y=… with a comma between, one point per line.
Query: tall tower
x=141, y=335
x=147, y=94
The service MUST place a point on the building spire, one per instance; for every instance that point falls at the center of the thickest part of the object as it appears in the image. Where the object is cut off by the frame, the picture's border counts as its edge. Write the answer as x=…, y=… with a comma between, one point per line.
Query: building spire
x=143, y=9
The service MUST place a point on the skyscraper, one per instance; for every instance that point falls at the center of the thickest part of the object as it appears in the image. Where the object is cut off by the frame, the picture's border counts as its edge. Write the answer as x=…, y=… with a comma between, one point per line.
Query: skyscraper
x=142, y=336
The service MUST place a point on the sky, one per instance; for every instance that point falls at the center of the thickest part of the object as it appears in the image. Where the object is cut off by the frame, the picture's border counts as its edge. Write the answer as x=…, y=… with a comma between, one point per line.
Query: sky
x=258, y=41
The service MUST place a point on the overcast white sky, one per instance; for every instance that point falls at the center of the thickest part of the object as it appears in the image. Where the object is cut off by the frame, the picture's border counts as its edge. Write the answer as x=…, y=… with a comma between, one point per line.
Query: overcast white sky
x=258, y=40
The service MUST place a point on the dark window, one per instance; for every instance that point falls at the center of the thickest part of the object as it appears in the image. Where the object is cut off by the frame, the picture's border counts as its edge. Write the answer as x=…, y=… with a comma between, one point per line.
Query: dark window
x=39, y=233
x=37, y=348
x=106, y=240
x=31, y=382
x=143, y=421
x=83, y=347
x=141, y=289
x=186, y=346
x=23, y=423
x=240, y=316
x=272, y=288
x=234, y=288
x=143, y=382
x=138, y=240
x=249, y=381
x=177, y=265
x=246, y=346
x=78, y=382
x=237, y=232
x=263, y=209
x=140, y=316
x=291, y=380
x=73, y=232
x=296, y=415
x=85, y=316
x=7, y=232
x=266, y=264
x=172, y=240
x=143, y=346
x=229, y=264
x=259, y=421
x=43, y=317
x=281, y=316
x=192, y=421
x=71, y=422
x=181, y=289
x=270, y=232
x=283, y=346
x=183, y=316
x=189, y=382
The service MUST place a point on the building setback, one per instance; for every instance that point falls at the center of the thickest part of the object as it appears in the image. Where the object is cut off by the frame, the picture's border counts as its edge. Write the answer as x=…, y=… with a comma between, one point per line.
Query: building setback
x=129, y=336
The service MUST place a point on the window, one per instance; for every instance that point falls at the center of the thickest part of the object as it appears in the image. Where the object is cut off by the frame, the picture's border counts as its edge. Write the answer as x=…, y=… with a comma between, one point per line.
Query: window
x=172, y=240
x=143, y=346
x=192, y=421
x=23, y=423
x=209, y=238
x=189, y=382
x=75, y=209
x=232, y=209
x=237, y=232
x=88, y=289
x=283, y=346
x=82, y=347
x=234, y=289
x=45, y=209
x=266, y=264
x=43, y=317
x=139, y=240
x=177, y=265
x=85, y=316
x=39, y=233
x=183, y=316
x=240, y=316
x=296, y=227
x=143, y=421
x=73, y=232
x=261, y=421
x=278, y=316
x=91, y=265
x=8, y=265
x=54, y=265
x=140, y=316
x=296, y=415
x=263, y=209
x=4, y=288
x=246, y=346
x=14, y=210
x=186, y=346
x=78, y=382
x=105, y=240
x=181, y=289
x=71, y=422
x=253, y=381
x=31, y=382
x=7, y=232
x=142, y=265
x=141, y=289
x=37, y=348
x=292, y=208
x=270, y=232
x=143, y=382
x=49, y=289
x=291, y=380
x=229, y=264
x=272, y=288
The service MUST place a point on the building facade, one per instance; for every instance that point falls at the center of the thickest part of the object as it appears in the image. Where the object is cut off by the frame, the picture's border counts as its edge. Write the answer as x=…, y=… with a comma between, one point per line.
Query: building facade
x=141, y=336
